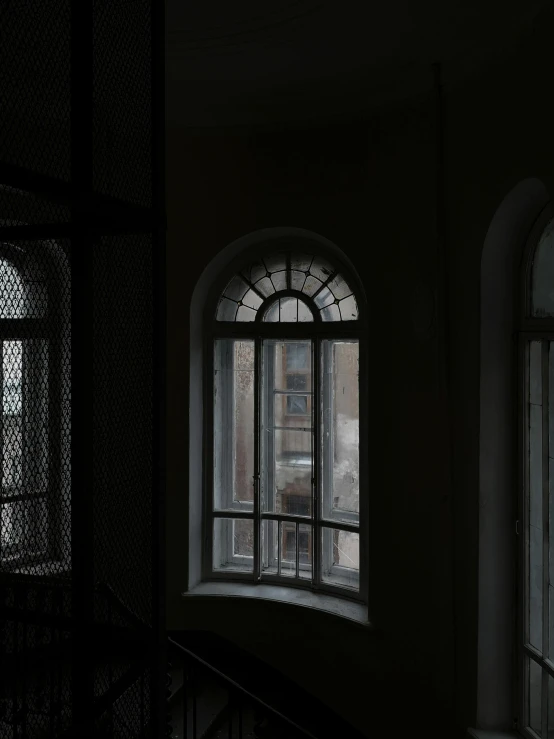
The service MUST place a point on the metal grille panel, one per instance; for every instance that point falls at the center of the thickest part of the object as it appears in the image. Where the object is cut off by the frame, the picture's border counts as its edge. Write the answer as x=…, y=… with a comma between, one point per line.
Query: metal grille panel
x=78, y=621
x=20, y=208
x=123, y=367
x=35, y=681
x=35, y=82
x=122, y=100
x=35, y=423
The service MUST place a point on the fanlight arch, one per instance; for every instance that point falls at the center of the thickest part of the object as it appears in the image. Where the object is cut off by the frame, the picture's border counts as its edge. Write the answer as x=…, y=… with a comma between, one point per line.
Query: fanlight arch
x=542, y=274
x=288, y=287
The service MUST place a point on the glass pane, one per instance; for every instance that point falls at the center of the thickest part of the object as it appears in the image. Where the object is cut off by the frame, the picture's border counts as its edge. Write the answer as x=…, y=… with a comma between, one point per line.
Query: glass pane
x=340, y=430
x=279, y=280
x=270, y=538
x=236, y=289
x=311, y=285
x=535, y=695
x=12, y=417
x=349, y=309
x=331, y=313
x=287, y=436
x=226, y=310
x=272, y=313
x=535, y=497
x=297, y=355
x=252, y=300
x=293, y=468
x=280, y=541
x=246, y=314
x=254, y=272
x=233, y=423
x=297, y=280
x=288, y=549
x=321, y=269
x=305, y=546
x=265, y=287
x=340, y=558
x=324, y=298
x=304, y=313
x=275, y=262
x=288, y=310
x=542, y=293
x=233, y=545
x=301, y=262
x=339, y=287
x=293, y=410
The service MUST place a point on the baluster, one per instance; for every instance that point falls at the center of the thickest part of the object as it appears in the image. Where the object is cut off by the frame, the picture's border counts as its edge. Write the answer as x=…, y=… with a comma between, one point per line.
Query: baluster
x=15, y=680
x=57, y=598
x=230, y=708
x=193, y=689
x=240, y=718
x=25, y=640
x=168, y=723
x=185, y=702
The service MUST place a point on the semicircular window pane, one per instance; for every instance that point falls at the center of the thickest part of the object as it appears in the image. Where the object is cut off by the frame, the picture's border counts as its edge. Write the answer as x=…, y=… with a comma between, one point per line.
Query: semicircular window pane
x=321, y=291
x=288, y=310
x=542, y=281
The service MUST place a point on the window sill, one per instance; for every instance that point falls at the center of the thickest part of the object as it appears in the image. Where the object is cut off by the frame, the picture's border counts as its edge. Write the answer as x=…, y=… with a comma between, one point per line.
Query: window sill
x=491, y=734
x=332, y=604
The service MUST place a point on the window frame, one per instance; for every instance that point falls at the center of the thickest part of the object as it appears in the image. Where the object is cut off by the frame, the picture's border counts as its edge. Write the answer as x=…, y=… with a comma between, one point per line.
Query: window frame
x=49, y=328
x=528, y=329
x=258, y=330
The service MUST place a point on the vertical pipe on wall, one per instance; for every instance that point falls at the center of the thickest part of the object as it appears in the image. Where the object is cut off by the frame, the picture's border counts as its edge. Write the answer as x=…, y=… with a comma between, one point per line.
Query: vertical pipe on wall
x=445, y=520
x=159, y=641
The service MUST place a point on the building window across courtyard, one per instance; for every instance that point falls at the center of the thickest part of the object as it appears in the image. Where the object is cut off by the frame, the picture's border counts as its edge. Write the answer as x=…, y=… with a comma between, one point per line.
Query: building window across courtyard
x=283, y=482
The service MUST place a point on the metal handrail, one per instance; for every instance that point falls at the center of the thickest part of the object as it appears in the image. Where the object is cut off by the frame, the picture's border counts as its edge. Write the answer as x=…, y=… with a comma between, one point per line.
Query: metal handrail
x=237, y=688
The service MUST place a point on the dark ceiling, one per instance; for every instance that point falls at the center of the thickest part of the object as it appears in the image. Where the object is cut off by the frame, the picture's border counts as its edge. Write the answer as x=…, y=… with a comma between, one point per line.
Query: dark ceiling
x=249, y=61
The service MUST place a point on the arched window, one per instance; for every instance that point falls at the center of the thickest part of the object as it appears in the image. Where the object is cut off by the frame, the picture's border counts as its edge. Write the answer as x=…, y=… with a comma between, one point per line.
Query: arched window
x=537, y=479
x=35, y=420
x=285, y=424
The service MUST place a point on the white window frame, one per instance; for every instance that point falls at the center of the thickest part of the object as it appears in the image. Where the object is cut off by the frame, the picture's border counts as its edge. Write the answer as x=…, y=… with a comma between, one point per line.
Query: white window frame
x=532, y=329
x=315, y=331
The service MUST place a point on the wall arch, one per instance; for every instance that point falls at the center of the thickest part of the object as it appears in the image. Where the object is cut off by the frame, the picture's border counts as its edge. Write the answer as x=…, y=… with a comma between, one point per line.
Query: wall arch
x=500, y=265
x=211, y=280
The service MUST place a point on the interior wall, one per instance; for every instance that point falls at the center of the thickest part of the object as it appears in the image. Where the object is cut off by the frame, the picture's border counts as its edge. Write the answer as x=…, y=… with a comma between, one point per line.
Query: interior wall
x=371, y=189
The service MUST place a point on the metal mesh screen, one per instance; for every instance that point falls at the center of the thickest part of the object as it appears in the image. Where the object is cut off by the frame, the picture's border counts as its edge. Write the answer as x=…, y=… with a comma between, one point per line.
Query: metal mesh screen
x=129, y=715
x=122, y=133
x=123, y=435
x=35, y=422
x=46, y=688
x=20, y=208
x=35, y=679
x=35, y=83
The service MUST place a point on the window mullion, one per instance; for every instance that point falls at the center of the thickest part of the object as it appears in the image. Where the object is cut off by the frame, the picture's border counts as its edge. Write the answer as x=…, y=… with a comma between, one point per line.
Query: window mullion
x=545, y=525
x=316, y=448
x=257, y=460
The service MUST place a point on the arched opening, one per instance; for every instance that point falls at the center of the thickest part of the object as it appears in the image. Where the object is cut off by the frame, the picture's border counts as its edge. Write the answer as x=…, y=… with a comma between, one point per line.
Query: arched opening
x=232, y=276
x=496, y=648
